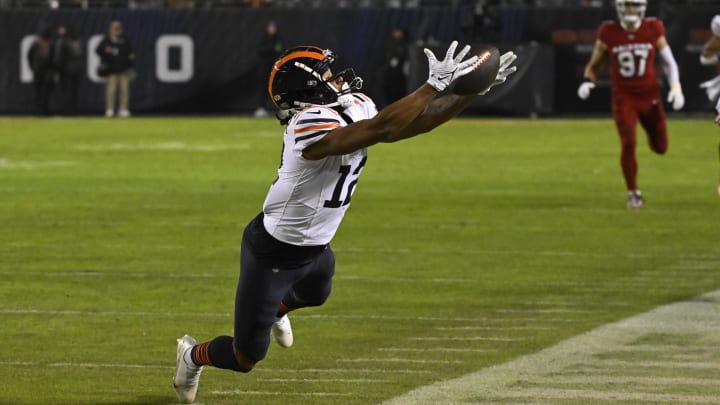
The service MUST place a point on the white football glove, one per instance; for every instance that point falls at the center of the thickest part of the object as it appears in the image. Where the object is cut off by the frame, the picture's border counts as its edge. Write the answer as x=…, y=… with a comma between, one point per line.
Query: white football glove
x=712, y=88
x=443, y=73
x=584, y=90
x=676, y=97
x=506, y=60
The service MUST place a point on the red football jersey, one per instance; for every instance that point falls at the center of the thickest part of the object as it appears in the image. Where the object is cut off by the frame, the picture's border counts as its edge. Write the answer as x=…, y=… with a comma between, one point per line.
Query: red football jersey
x=632, y=55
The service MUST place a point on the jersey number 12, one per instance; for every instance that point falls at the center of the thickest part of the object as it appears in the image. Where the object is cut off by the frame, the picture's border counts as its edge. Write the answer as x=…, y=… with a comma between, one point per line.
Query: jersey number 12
x=336, y=202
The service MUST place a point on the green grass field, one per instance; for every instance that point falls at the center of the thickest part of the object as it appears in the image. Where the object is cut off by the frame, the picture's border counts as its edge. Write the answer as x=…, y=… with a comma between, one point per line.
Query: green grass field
x=477, y=244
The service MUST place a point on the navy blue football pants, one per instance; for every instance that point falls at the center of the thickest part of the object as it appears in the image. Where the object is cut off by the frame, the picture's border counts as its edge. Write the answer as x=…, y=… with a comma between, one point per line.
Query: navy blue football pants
x=271, y=272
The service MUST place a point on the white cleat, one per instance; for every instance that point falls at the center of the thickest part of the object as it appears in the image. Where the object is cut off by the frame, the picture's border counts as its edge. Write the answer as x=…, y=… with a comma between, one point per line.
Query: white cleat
x=281, y=331
x=635, y=200
x=187, y=376
x=124, y=113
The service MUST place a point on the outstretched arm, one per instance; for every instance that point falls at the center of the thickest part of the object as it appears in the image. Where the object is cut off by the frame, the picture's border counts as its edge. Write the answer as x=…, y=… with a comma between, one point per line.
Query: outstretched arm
x=437, y=112
x=391, y=120
x=445, y=108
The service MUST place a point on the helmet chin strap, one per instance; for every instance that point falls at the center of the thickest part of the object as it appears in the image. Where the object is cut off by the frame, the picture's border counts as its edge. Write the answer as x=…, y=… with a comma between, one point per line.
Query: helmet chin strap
x=344, y=99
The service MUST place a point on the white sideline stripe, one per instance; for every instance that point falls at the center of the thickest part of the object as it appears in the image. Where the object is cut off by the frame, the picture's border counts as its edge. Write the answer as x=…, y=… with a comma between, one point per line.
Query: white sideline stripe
x=465, y=339
x=614, y=364
x=664, y=348
x=31, y=311
x=680, y=320
x=285, y=393
x=508, y=252
x=339, y=380
x=343, y=370
x=88, y=365
x=471, y=328
x=397, y=360
x=162, y=146
x=435, y=349
x=608, y=395
x=608, y=379
x=31, y=165
x=257, y=370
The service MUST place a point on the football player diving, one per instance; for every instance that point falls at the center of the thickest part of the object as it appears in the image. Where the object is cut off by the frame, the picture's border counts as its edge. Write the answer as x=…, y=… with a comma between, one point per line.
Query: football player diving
x=286, y=261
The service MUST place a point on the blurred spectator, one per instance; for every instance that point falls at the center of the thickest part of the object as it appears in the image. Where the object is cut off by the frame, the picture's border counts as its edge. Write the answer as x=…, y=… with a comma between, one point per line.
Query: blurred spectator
x=40, y=61
x=395, y=69
x=117, y=56
x=271, y=47
x=67, y=62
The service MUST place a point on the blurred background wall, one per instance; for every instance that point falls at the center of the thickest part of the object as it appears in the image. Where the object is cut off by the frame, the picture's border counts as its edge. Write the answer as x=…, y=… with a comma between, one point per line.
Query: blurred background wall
x=201, y=57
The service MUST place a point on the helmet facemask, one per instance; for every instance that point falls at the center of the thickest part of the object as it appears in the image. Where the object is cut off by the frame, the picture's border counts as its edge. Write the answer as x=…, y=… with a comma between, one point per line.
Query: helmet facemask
x=350, y=83
x=630, y=12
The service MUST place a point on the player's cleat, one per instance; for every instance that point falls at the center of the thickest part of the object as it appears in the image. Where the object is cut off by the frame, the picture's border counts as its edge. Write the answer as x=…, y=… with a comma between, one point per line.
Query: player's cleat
x=635, y=200
x=124, y=113
x=187, y=376
x=281, y=331
x=109, y=113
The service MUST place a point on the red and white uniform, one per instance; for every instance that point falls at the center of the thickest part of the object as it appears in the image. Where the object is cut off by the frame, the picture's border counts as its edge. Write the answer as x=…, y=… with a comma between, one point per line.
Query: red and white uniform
x=308, y=200
x=632, y=56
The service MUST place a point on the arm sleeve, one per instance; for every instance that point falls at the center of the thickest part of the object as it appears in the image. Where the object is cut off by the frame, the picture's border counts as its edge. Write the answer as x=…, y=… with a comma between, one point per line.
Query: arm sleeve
x=671, y=67
x=311, y=125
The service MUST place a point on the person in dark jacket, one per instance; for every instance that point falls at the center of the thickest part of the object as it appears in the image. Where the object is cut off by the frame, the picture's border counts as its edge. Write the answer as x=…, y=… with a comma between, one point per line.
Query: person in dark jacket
x=396, y=57
x=117, y=60
x=68, y=63
x=271, y=46
x=40, y=61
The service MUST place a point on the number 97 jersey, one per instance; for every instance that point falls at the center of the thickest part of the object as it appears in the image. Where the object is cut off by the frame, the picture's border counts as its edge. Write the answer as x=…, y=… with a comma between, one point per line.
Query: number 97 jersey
x=308, y=200
x=632, y=56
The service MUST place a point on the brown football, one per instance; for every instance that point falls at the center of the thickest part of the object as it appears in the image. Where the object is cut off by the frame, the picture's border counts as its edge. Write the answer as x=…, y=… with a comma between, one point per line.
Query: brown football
x=484, y=72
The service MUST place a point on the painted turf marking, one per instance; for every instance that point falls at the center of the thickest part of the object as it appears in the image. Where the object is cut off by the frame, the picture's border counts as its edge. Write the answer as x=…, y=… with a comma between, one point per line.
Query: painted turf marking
x=435, y=349
x=397, y=360
x=275, y=371
x=611, y=379
x=694, y=324
x=162, y=146
x=389, y=318
x=339, y=380
x=31, y=165
x=607, y=395
x=285, y=393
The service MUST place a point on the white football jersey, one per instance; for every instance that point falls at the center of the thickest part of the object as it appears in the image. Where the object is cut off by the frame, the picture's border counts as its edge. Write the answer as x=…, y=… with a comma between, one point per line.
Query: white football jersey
x=308, y=200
